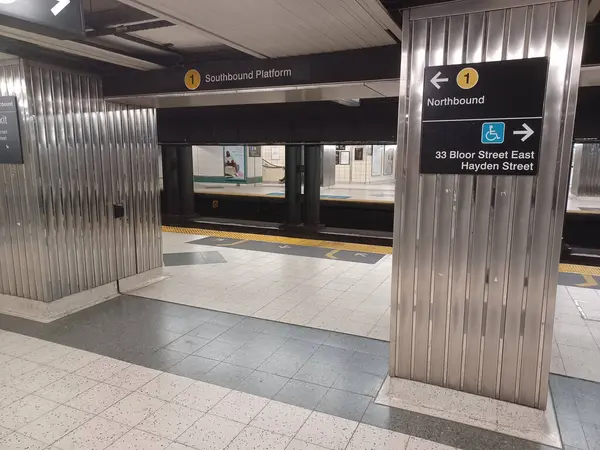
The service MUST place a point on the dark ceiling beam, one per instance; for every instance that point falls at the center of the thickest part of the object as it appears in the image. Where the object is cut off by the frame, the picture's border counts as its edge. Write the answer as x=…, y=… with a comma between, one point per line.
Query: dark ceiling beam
x=33, y=52
x=150, y=44
x=123, y=14
x=113, y=31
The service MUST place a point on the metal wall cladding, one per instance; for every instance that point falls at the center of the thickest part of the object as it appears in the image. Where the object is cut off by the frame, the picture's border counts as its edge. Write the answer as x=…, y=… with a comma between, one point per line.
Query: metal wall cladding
x=586, y=170
x=476, y=257
x=82, y=156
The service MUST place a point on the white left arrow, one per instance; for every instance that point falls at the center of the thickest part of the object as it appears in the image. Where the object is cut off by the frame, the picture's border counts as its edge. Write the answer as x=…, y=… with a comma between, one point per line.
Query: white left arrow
x=436, y=80
x=60, y=5
x=527, y=132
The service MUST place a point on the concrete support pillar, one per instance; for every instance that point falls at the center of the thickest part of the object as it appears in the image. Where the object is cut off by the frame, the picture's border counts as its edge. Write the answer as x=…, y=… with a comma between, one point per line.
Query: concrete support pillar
x=178, y=180
x=312, y=185
x=293, y=184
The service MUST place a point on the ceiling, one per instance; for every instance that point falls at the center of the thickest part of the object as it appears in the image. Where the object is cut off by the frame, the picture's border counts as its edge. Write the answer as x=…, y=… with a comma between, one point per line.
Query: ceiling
x=150, y=34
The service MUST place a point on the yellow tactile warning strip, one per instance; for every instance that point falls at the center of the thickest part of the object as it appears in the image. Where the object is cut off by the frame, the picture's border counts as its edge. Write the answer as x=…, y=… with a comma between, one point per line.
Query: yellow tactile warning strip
x=581, y=270
x=377, y=249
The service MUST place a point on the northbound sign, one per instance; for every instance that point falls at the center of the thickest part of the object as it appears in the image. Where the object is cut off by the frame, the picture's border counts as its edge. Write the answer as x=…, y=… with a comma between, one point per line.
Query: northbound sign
x=483, y=119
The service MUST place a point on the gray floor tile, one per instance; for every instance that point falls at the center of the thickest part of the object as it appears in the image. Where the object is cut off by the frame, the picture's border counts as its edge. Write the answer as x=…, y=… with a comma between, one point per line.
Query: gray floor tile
x=592, y=434
x=194, y=367
x=300, y=393
x=279, y=329
x=227, y=375
x=309, y=335
x=249, y=356
x=363, y=362
x=238, y=336
x=344, y=341
x=194, y=258
x=268, y=342
x=187, y=344
x=184, y=324
x=282, y=364
x=374, y=347
x=252, y=324
x=453, y=434
x=318, y=373
x=298, y=349
x=571, y=432
x=332, y=355
x=263, y=384
x=223, y=318
x=161, y=359
x=209, y=330
x=359, y=383
x=217, y=350
x=588, y=410
x=344, y=404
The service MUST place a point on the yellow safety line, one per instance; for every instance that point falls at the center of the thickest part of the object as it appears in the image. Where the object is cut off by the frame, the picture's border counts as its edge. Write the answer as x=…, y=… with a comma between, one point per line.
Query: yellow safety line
x=331, y=254
x=378, y=249
x=581, y=270
x=589, y=281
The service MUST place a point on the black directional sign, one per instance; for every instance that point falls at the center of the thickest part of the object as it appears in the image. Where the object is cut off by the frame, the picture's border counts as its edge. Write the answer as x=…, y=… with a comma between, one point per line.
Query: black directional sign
x=483, y=119
x=55, y=18
x=10, y=137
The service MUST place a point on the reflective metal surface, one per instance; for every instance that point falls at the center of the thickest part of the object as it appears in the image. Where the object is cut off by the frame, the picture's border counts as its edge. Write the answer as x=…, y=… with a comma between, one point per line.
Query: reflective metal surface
x=585, y=179
x=58, y=234
x=476, y=257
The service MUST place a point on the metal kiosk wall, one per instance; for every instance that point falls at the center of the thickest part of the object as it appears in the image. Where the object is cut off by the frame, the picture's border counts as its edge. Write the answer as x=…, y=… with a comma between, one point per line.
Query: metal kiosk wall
x=476, y=256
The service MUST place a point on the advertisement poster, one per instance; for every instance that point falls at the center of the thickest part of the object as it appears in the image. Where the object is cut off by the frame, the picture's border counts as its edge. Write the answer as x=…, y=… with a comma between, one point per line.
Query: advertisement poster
x=377, y=160
x=388, y=165
x=235, y=162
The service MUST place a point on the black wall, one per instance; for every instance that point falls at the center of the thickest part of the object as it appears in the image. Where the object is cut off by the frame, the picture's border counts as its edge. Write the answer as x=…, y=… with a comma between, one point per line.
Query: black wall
x=374, y=120
x=587, y=119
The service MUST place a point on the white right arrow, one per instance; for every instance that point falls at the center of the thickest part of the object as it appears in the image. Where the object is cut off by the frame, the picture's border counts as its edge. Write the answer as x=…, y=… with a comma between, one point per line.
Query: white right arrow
x=60, y=5
x=527, y=132
x=436, y=80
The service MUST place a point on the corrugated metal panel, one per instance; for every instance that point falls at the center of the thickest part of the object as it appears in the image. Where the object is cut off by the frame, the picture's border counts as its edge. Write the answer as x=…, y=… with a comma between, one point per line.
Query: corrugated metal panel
x=476, y=257
x=59, y=234
x=586, y=170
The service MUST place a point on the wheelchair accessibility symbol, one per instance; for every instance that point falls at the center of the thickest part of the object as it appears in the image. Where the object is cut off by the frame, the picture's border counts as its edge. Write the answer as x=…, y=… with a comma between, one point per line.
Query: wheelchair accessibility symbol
x=492, y=133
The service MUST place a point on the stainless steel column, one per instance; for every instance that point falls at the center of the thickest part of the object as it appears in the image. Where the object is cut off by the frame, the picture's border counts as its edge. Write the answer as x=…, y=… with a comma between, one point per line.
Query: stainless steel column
x=475, y=260
x=585, y=179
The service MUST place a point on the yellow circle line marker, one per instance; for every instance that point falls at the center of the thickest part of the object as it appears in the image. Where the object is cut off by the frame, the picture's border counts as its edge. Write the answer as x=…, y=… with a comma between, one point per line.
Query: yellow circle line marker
x=192, y=79
x=467, y=78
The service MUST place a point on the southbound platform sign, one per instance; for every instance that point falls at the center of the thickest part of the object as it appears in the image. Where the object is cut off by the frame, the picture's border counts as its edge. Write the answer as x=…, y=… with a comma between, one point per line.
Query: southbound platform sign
x=483, y=119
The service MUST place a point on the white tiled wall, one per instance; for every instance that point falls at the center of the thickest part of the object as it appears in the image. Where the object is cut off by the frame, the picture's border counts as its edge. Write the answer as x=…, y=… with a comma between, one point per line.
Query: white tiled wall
x=360, y=171
x=273, y=175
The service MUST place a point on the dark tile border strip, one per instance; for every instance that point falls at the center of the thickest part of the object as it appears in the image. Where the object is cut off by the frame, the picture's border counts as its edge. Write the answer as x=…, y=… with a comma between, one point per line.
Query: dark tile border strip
x=151, y=328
